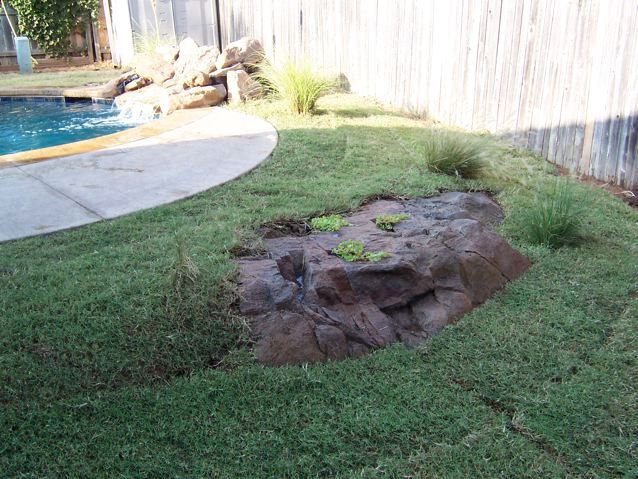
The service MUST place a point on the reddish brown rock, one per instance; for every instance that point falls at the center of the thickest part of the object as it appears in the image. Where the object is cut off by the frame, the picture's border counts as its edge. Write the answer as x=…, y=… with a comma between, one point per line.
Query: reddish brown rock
x=136, y=84
x=265, y=290
x=154, y=67
x=194, y=64
x=193, y=79
x=196, y=97
x=150, y=98
x=245, y=50
x=219, y=74
x=241, y=87
x=308, y=305
x=281, y=328
x=110, y=89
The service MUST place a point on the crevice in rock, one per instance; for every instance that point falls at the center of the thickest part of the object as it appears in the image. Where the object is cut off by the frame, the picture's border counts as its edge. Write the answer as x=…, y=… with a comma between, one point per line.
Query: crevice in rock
x=490, y=262
x=278, y=229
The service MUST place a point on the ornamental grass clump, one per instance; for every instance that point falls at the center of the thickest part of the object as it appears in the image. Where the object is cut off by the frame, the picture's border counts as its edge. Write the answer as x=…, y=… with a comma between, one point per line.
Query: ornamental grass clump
x=298, y=84
x=149, y=44
x=555, y=218
x=455, y=154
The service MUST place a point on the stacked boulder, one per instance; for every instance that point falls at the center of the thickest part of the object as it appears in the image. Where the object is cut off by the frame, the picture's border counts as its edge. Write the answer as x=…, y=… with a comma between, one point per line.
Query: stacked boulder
x=191, y=76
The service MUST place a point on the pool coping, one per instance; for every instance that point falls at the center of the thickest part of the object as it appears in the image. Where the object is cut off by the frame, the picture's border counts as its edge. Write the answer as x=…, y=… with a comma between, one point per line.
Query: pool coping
x=153, y=128
x=88, y=92
x=33, y=91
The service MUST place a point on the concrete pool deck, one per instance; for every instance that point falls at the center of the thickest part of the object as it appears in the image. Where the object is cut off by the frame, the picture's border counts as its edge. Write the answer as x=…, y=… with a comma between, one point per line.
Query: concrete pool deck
x=140, y=169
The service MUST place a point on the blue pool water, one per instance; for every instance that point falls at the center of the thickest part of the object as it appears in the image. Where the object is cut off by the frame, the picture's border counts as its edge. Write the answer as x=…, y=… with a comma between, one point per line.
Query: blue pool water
x=30, y=124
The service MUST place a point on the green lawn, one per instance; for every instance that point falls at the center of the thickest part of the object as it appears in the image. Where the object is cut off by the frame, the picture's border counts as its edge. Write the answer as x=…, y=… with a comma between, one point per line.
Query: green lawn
x=62, y=79
x=107, y=371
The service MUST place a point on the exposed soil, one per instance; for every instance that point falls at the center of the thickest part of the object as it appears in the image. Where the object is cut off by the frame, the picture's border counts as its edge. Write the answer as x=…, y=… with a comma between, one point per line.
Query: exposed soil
x=629, y=196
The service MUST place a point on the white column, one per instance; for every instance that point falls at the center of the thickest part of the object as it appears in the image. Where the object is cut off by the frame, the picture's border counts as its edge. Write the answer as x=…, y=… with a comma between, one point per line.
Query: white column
x=122, y=46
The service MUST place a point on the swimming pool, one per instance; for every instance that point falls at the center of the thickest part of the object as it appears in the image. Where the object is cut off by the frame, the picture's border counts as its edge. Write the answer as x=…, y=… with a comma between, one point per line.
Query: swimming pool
x=30, y=123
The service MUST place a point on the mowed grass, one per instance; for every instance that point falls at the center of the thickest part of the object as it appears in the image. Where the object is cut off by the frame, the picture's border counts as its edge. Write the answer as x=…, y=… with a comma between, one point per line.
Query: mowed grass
x=58, y=79
x=107, y=369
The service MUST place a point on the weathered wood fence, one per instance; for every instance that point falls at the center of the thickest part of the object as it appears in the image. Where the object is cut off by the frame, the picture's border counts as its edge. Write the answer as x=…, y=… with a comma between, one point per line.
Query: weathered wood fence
x=557, y=76
x=176, y=19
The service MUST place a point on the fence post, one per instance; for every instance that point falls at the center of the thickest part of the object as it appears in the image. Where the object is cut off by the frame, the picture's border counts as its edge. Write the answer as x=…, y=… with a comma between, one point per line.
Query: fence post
x=115, y=58
x=218, y=20
x=122, y=33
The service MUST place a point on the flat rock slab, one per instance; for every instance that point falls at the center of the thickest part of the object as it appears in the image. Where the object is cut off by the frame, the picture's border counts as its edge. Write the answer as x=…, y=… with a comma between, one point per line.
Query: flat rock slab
x=305, y=304
x=66, y=192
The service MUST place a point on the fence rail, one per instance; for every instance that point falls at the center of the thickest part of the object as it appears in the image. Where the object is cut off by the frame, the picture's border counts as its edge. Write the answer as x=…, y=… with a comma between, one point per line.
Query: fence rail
x=557, y=76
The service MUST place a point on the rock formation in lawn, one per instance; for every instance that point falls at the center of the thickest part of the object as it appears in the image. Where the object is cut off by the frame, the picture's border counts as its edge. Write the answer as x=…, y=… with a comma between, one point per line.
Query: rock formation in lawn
x=188, y=76
x=306, y=304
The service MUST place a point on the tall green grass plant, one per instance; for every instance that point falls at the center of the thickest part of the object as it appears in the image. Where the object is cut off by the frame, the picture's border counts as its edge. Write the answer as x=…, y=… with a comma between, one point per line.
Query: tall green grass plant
x=555, y=218
x=455, y=154
x=298, y=84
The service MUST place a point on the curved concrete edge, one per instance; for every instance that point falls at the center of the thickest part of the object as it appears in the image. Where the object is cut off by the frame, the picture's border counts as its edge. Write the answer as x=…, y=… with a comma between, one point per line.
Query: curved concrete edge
x=67, y=192
x=177, y=119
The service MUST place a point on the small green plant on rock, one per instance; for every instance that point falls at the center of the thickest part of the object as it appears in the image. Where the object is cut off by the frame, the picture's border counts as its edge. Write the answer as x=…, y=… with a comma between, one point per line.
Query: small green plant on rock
x=387, y=222
x=555, y=219
x=328, y=223
x=373, y=257
x=352, y=250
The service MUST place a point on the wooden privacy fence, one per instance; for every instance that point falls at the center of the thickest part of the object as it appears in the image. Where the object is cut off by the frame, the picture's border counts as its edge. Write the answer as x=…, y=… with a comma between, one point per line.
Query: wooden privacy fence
x=176, y=19
x=557, y=76
x=137, y=25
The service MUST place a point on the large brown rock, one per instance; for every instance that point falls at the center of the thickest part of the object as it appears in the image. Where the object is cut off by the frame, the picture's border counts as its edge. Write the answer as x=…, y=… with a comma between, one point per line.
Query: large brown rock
x=154, y=67
x=241, y=87
x=306, y=304
x=246, y=50
x=196, y=97
x=193, y=78
x=150, y=98
x=187, y=49
x=219, y=74
x=136, y=84
x=194, y=64
x=110, y=89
